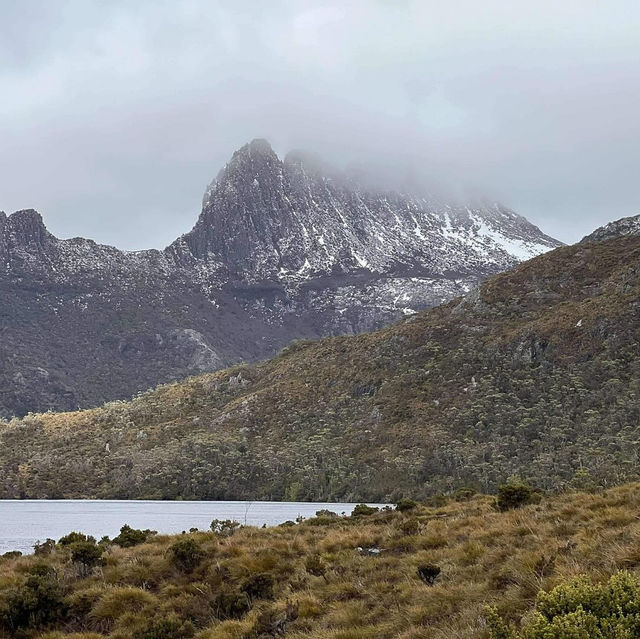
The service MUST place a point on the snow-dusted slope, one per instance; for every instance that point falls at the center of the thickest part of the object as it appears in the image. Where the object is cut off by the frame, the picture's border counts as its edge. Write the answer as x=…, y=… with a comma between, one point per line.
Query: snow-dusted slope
x=286, y=220
x=283, y=249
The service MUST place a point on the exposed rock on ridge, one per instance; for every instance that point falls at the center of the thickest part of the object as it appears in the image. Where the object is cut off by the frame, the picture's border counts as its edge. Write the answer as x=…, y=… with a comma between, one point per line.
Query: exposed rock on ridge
x=283, y=249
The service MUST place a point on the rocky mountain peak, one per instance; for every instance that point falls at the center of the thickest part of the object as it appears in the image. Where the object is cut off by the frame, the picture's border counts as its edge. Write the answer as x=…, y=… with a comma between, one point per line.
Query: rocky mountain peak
x=618, y=228
x=282, y=250
x=22, y=231
x=265, y=219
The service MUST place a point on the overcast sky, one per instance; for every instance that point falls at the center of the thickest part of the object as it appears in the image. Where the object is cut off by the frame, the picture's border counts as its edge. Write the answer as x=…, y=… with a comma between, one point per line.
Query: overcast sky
x=114, y=116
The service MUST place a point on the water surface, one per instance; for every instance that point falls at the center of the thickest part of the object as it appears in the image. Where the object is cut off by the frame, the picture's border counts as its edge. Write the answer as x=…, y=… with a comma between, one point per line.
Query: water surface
x=23, y=522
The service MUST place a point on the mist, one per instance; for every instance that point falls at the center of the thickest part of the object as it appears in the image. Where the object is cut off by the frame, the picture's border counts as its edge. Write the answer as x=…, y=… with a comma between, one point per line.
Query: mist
x=115, y=115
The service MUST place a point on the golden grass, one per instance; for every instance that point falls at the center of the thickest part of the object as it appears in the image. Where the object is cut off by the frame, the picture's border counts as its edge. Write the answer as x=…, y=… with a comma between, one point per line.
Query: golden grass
x=486, y=557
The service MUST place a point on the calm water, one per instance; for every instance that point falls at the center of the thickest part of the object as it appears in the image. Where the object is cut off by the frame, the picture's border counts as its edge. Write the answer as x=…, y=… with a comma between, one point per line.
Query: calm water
x=24, y=522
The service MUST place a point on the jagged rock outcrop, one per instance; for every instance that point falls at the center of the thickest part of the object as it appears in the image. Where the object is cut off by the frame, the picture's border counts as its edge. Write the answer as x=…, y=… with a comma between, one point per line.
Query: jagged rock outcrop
x=618, y=228
x=283, y=249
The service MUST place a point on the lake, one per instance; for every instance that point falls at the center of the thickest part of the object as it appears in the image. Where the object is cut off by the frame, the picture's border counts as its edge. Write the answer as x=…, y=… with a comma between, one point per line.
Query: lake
x=23, y=522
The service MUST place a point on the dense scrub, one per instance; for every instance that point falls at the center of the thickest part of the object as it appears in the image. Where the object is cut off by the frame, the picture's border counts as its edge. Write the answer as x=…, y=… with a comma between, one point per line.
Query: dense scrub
x=463, y=569
x=536, y=373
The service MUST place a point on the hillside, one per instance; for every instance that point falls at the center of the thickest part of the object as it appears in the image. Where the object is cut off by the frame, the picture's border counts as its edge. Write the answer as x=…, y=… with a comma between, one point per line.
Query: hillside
x=283, y=249
x=534, y=373
x=355, y=577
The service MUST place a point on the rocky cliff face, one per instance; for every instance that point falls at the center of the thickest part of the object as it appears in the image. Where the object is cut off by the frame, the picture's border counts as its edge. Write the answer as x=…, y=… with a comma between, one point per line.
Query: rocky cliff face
x=618, y=228
x=283, y=249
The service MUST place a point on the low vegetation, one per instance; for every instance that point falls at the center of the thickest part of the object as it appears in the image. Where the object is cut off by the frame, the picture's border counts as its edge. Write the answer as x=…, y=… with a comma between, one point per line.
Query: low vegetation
x=566, y=567
x=536, y=373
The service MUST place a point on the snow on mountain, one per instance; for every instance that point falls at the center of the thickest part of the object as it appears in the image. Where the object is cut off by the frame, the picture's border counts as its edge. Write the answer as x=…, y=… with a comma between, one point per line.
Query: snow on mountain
x=283, y=249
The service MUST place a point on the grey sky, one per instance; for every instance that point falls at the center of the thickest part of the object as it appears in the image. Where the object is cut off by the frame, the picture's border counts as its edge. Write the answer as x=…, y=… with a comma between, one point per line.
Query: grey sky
x=114, y=116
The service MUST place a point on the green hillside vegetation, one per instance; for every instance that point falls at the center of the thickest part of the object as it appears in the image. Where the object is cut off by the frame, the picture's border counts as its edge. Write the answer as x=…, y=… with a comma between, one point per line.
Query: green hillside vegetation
x=565, y=567
x=536, y=373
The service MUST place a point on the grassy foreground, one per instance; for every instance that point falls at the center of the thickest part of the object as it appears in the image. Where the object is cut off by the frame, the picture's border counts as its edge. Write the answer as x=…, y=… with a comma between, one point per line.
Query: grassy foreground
x=371, y=575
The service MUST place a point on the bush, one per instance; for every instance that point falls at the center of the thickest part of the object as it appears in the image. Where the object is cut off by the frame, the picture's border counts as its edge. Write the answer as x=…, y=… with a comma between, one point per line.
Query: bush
x=428, y=573
x=74, y=537
x=259, y=586
x=315, y=566
x=44, y=548
x=410, y=526
x=512, y=496
x=130, y=537
x=406, y=504
x=87, y=554
x=578, y=608
x=327, y=514
x=363, y=510
x=12, y=554
x=38, y=602
x=186, y=554
x=224, y=527
x=171, y=627
x=232, y=604
x=464, y=494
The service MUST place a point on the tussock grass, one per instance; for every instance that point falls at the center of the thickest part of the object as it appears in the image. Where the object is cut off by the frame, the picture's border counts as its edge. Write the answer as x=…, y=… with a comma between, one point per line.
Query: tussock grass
x=486, y=557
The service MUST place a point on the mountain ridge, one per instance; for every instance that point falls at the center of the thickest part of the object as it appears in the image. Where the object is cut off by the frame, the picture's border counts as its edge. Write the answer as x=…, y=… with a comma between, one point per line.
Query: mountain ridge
x=534, y=373
x=279, y=252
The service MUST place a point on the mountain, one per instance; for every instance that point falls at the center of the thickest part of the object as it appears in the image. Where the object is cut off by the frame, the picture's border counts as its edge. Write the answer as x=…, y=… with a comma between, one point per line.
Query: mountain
x=533, y=373
x=283, y=249
x=619, y=228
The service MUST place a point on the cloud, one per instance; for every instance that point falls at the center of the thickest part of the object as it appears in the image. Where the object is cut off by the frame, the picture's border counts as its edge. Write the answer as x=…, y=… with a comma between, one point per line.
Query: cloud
x=115, y=115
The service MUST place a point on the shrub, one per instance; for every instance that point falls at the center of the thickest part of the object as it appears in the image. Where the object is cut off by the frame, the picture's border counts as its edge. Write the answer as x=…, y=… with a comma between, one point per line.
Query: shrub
x=512, y=496
x=186, y=554
x=464, y=494
x=171, y=627
x=130, y=537
x=579, y=608
x=87, y=554
x=232, y=604
x=315, y=566
x=406, y=504
x=428, y=573
x=224, y=527
x=37, y=602
x=410, y=526
x=12, y=554
x=44, y=548
x=115, y=602
x=325, y=513
x=74, y=537
x=363, y=510
x=259, y=586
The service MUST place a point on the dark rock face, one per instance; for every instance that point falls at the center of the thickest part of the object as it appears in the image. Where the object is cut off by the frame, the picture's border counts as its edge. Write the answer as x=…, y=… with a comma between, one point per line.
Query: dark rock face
x=619, y=228
x=283, y=249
